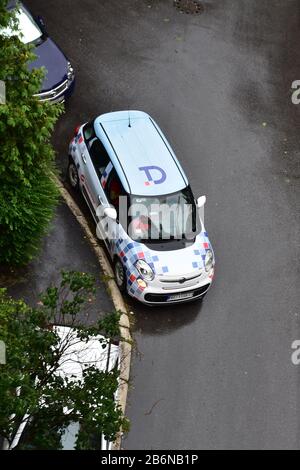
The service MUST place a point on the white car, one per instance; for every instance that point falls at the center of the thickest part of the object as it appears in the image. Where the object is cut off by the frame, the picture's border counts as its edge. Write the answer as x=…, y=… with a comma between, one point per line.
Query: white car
x=144, y=208
x=77, y=356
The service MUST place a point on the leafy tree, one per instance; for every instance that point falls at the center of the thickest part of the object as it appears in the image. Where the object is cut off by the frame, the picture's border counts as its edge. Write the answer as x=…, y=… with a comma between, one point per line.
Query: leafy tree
x=29, y=382
x=28, y=195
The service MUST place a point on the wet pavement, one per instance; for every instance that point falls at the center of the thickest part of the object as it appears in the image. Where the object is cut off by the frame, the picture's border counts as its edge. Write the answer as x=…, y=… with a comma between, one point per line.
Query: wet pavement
x=64, y=249
x=216, y=375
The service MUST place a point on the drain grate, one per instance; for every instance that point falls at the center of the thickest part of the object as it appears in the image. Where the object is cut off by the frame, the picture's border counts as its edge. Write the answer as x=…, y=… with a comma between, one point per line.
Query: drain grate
x=192, y=7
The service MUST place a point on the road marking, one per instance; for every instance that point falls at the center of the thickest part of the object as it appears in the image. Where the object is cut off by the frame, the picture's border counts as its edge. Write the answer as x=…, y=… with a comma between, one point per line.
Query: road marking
x=126, y=345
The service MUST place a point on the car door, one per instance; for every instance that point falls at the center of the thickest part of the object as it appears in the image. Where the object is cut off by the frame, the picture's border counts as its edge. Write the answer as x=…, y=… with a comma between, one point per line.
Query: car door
x=105, y=231
x=94, y=160
x=113, y=190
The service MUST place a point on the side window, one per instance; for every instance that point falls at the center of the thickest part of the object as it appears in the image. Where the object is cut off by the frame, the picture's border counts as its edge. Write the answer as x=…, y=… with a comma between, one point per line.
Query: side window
x=89, y=132
x=97, y=152
x=99, y=156
x=114, y=189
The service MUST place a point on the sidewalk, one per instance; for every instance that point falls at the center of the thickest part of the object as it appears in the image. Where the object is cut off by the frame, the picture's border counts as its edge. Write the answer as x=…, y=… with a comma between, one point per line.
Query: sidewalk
x=64, y=248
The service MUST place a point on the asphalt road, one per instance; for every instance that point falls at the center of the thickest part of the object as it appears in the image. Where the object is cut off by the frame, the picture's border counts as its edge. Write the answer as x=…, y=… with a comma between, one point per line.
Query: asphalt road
x=218, y=375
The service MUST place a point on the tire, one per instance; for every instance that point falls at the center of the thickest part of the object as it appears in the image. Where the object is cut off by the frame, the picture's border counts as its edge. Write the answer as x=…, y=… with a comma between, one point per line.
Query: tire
x=73, y=176
x=120, y=275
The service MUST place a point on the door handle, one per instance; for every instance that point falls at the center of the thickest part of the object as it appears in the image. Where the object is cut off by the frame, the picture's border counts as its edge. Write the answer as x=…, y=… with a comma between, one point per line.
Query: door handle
x=100, y=199
x=83, y=158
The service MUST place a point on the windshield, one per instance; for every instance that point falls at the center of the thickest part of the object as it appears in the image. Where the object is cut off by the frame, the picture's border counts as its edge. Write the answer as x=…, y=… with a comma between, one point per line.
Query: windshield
x=29, y=32
x=163, y=218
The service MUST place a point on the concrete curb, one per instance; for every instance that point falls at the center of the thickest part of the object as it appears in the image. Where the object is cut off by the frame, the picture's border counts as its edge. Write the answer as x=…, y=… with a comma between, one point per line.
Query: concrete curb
x=126, y=345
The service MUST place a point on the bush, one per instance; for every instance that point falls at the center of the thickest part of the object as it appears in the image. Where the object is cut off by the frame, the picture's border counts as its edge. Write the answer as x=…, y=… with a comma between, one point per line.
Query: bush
x=27, y=194
x=24, y=218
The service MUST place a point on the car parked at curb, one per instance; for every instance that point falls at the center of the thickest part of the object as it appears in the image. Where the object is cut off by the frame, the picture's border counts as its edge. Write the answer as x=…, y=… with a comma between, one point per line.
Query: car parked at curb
x=96, y=351
x=59, y=80
x=144, y=208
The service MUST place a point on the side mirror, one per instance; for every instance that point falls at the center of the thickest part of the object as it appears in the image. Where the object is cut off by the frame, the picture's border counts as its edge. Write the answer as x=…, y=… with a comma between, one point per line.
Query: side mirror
x=111, y=213
x=201, y=201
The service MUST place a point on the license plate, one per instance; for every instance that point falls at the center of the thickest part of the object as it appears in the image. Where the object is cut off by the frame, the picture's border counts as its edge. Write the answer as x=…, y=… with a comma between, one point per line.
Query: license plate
x=184, y=295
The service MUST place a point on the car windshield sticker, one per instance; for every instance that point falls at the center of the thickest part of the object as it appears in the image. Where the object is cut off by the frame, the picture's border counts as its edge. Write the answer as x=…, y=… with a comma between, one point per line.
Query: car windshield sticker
x=106, y=174
x=158, y=171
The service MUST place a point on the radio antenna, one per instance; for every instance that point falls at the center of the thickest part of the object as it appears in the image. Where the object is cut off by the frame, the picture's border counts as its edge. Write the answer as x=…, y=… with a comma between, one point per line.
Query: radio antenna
x=129, y=122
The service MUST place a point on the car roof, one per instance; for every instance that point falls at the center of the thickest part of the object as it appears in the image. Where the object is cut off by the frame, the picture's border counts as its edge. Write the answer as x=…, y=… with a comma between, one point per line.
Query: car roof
x=79, y=354
x=140, y=153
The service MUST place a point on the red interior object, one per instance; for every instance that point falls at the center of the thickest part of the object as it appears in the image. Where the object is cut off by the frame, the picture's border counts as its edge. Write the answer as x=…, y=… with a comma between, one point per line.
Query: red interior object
x=76, y=130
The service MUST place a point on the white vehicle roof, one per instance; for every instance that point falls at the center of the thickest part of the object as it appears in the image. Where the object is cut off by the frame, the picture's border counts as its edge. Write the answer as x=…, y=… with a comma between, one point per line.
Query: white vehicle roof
x=28, y=29
x=77, y=356
x=140, y=153
x=81, y=354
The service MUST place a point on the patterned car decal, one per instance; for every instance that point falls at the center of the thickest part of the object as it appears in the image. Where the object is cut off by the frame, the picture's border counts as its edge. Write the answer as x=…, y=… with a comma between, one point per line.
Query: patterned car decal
x=79, y=139
x=130, y=251
x=106, y=174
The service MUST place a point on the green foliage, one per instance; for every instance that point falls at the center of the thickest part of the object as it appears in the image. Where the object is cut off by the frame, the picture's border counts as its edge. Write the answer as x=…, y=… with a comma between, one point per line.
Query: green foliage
x=33, y=354
x=25, y=213
x=28, y=196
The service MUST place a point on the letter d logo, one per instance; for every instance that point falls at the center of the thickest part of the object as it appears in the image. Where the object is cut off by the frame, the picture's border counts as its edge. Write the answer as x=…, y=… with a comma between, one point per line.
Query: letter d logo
x=151, y=180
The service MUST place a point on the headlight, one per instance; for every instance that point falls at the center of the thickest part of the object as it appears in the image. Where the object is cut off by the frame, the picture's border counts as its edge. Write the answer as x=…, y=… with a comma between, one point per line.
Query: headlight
x=209, y=261
x=70, y=71
x=145, y=270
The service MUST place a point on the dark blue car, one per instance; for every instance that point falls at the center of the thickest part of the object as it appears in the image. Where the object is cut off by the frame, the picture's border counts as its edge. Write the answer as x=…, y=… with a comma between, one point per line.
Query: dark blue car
x=60, y=78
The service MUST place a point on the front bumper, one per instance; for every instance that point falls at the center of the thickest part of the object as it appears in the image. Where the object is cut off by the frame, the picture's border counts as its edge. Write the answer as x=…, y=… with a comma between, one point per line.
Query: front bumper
x=153, y=294
x=58, y=94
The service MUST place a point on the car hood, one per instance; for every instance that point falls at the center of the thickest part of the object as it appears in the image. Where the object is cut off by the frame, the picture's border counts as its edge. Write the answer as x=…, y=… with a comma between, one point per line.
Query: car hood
x=181, y=262
x=52, y=58
x=164, y=263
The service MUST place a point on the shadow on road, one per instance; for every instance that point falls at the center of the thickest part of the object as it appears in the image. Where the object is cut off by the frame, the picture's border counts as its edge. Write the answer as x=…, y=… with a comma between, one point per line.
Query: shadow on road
x=163, y=320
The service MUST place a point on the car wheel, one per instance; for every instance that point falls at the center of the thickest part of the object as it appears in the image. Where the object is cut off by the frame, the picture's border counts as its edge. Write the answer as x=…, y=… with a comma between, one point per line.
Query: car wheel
x=120, y=275
x=73, y=176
